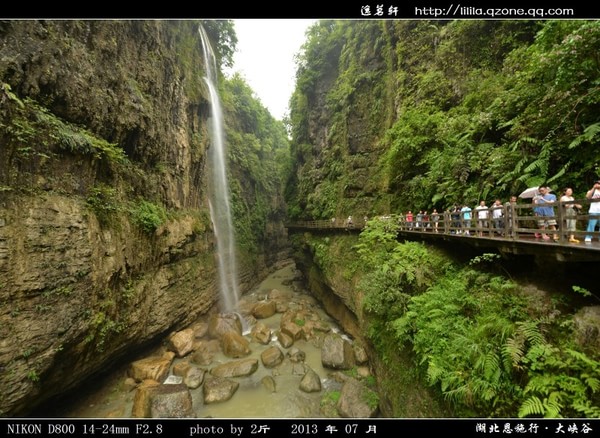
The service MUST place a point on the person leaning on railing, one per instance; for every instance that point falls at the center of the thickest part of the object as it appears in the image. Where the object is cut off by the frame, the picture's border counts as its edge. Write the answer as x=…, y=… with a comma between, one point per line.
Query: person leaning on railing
x=594, y=211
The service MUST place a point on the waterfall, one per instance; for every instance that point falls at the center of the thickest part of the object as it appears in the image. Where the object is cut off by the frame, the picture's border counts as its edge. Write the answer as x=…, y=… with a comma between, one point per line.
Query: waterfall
x=219, y=204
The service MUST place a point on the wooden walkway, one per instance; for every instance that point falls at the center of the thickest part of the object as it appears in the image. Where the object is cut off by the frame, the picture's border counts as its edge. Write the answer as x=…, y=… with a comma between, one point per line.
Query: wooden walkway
x=516, y=233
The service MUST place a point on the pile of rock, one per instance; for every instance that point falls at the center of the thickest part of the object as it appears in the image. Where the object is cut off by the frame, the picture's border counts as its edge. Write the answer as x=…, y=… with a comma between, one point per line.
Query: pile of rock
x=163, y=382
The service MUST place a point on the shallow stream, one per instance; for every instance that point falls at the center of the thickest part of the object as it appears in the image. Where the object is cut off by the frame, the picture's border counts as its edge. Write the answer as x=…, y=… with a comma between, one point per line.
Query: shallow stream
x=112, y=397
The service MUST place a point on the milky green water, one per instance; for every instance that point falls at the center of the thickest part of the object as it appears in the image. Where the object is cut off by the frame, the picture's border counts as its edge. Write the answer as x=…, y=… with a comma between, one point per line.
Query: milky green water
x=112, y=398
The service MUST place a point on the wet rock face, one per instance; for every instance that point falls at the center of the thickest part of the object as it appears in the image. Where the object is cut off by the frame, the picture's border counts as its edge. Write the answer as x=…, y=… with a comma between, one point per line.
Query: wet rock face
x=81, y=282
x=74, y=284
x=91, y=294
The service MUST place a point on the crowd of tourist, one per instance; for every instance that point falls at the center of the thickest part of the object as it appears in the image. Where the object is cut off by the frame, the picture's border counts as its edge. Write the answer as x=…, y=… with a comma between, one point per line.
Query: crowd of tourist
x=502, y=218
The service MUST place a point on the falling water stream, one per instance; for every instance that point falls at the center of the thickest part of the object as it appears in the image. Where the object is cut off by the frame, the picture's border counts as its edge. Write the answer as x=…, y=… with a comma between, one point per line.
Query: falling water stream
x=219, y=203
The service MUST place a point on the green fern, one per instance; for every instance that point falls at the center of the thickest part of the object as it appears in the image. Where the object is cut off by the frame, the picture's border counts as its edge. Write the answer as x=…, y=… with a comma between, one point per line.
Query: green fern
x=566, y=382
x=514, y=350
x=586, y=409
x=559, y=174
x=492, y=367
x=539, y=165
x=582, y=357
x=473, y=335
x=460, y=395
x=588, y=136
x=434, y=372
x=553, y=405
x=531, y=332
x=541, y=384
x=533, y=406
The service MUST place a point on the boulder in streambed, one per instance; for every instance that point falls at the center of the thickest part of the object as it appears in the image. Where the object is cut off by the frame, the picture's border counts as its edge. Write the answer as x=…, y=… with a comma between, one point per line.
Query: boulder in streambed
x=360, y=354
x=311, y=382
x=219, y=389
x=277, y=295
x=162, y=401
x=235, y=345
x=271, y=357
x=182, y=343
x=192, y=375
x=200, y=329
x=281, y=299
x=291, y=328
x=238, y=368
x=357, y=401
x=264, y=309
x=296, y=355
x=284, y=339
x=221, y=323
x=205, y=352
x=337, y=353
x=299, y=369
x=154, y=368
x=261, y=333
x=269, y=383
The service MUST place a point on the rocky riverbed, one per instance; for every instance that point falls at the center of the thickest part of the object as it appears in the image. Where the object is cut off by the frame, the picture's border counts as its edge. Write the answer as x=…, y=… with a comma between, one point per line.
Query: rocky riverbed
x=277, y=356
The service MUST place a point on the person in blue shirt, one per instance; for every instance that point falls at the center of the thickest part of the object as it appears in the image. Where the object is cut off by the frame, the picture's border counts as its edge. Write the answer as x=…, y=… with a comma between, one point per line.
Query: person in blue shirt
x=466, y=216
x=544, y=210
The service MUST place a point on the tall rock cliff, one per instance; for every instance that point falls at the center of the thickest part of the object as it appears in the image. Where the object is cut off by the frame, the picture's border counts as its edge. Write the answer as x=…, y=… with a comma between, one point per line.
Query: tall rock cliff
x=105, y=237
x=390, y=116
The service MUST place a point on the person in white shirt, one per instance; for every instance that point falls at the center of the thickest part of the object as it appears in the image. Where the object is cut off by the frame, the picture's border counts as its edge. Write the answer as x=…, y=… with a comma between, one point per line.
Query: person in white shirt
x=482, y=217
x=498, y=216
x=570, y=213
x=594, y=211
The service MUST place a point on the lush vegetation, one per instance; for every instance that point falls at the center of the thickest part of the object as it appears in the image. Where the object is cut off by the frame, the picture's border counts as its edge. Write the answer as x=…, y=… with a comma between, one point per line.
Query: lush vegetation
x=258, y=152
x=32, y=134
x=148, y=215
x=390, y=116
x=395, y=115
x=487, y=344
